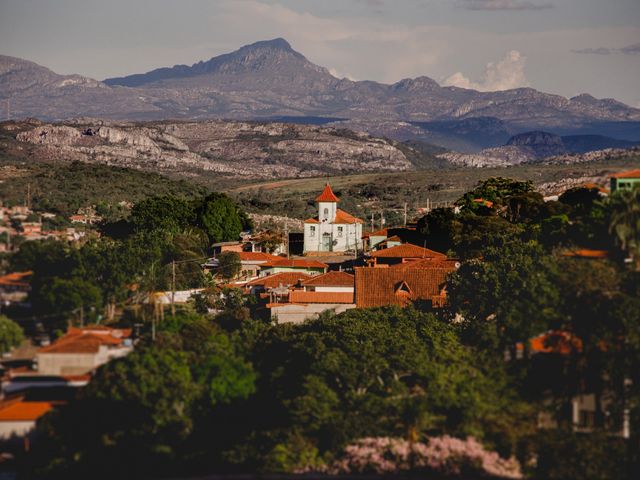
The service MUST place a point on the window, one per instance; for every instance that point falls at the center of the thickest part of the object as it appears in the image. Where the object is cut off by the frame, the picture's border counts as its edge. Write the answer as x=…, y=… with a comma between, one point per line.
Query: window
x=312, y=231
x=326, y=213
x=340, y=230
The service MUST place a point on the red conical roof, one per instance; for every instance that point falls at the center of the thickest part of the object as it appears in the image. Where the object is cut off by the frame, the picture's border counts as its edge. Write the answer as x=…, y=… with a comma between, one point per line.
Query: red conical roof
x=327, y=195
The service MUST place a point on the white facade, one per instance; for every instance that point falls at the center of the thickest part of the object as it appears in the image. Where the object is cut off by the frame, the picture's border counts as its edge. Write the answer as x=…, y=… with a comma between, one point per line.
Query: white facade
x=332, y=231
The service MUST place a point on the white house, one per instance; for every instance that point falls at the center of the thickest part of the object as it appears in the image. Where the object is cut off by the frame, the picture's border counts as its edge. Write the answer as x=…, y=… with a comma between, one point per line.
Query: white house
x=333, y=230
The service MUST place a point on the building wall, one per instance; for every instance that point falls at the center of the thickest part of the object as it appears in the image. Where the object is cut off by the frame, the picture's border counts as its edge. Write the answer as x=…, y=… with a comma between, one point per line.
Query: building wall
x=623, y=183
x=298, y=313
x=273, y=270
x=15, y=428
x=349, y=239
x=330, y=289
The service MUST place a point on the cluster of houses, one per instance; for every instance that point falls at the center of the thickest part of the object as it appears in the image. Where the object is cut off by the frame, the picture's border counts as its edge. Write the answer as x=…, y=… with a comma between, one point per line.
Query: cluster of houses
x=341, y=268
x=21, y=223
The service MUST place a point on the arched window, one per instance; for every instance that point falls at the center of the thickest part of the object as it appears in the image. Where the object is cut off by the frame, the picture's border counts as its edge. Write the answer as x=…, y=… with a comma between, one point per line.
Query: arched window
x=326, y=213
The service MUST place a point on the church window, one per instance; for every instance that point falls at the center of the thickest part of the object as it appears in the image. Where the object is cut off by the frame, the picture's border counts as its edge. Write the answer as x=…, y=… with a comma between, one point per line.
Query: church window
x=340, y=230
x=326, y=213
x=312, y=231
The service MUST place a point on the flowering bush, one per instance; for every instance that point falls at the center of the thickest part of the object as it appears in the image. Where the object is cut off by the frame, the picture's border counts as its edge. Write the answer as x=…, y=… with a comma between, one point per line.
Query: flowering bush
x=446, y=455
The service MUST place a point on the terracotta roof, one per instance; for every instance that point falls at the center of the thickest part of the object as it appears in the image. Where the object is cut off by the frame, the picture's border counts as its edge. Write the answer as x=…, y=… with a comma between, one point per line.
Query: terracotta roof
x=83, y=343
x=407, y=250
x=586, y=253
x=486, y=203
x=21, y=411
x=295, y=263
x=427, y=263
x=15, y=279
x=560, y=342
x=257, y=257
x=627, y=174
x=100, y=330
x=341, y=217
x=300, y=296
x=378, y=233
x=344, y=217
x=327, y=195
x=284, y=278
x=376, y=287
x=333, y=279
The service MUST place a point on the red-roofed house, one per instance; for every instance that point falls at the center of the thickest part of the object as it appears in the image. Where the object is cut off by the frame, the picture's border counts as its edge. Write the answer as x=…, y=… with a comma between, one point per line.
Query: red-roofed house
x=378, y=287
x=404, y=253
x=333, y=230
x=624, y=180
x=82, y=350
x=336, y=282
x=18, y=418
x=304, y=265
x=252, y=262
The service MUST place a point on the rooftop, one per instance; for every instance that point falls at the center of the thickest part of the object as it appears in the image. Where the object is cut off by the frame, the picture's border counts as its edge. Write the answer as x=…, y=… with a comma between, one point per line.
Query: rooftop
x=295, y=263
x=327, y=195
x=627, y=174
x=15, y=279
x=376, y=287
x=19, y=411
x=333, y=279
x=257, y=257
x=284, y=279
x=407, y=250
x=300, y=296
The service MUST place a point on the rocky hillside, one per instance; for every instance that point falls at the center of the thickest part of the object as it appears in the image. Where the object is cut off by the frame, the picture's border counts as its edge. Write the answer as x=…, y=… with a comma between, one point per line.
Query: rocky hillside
x=231, y=149
x=534, y=147
x=269, y=79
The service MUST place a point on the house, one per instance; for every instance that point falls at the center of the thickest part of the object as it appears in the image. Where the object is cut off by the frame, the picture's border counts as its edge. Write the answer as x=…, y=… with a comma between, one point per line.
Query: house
x=402, y=285
x=221, y=247
x=333, y=230
x=625, y=180
x=404, y=253
x=303, y=265
x=14, y=287
x=305, y=305
x=18, y=417
x=336, y=282
x=82, y=350
x=252, y=262
x=283, y=280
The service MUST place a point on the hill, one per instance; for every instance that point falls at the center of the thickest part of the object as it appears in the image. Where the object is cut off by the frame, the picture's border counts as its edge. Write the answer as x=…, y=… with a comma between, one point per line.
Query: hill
x=270, y=79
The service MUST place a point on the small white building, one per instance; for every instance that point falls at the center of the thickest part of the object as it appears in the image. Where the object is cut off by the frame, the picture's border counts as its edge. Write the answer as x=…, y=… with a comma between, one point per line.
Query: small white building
x=333, y=230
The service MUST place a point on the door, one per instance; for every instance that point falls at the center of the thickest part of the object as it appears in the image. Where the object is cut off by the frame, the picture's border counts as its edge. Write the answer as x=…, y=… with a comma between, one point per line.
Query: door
x=326, y=242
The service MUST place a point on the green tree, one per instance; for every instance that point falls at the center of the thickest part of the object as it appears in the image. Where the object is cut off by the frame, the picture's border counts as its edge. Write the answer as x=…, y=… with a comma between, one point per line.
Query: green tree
x=220, y=218
x=624, y=223
x=11, y=334
x=229, y=265
x=170, y=214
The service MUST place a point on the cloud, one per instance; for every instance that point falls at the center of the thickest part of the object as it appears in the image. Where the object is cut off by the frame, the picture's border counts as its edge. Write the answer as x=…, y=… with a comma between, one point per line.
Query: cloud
x=628, y=50
x=508, y=73
x=501, y=5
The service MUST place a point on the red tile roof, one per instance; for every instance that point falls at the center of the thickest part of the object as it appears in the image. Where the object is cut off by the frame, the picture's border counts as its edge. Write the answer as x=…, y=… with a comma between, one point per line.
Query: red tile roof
x=327, y=195
x=15, y=279
x=407, y=250
x=257, y=257
x=627, y=174
x=83, y=343
x=341, y=217
x=560, y=342
x=344, y=217
x=427, y=263
x=295, y=263
x=284, y=279
x=20, y=411
x=300, y=296
x=587, y=253
x=376, y=287
x=331, y=279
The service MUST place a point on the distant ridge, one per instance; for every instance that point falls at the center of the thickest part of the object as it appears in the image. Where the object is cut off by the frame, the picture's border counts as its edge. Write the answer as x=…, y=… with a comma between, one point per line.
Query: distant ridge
x=269, y=79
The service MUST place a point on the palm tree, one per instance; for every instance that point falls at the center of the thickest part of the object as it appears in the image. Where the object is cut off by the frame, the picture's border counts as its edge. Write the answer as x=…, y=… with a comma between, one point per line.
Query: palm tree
x=625, y=220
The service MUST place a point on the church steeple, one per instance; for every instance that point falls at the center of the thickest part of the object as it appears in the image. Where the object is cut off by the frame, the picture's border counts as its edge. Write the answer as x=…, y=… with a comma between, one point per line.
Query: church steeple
x=327, y=195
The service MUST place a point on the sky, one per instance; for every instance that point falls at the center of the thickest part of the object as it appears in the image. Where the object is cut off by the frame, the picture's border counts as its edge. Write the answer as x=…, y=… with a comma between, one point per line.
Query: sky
x=566, y=47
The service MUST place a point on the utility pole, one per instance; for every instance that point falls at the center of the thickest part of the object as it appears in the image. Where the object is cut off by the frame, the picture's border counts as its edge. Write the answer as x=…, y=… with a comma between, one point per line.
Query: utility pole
x=8, y=109
x=372, y=220
x=29, y=196
x=173, y=288
x=81, y=316
x=405, y=214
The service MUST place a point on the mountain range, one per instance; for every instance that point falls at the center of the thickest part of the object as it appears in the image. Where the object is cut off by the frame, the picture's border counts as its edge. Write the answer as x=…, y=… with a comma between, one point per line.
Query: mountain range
x=269, y=80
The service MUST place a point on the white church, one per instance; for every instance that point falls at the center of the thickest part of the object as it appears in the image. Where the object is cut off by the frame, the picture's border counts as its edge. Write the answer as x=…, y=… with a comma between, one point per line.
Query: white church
x=333, y=230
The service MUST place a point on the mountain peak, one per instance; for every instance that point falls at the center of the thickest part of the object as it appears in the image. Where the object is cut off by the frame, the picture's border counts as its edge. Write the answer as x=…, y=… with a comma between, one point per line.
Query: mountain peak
x=276, y=43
